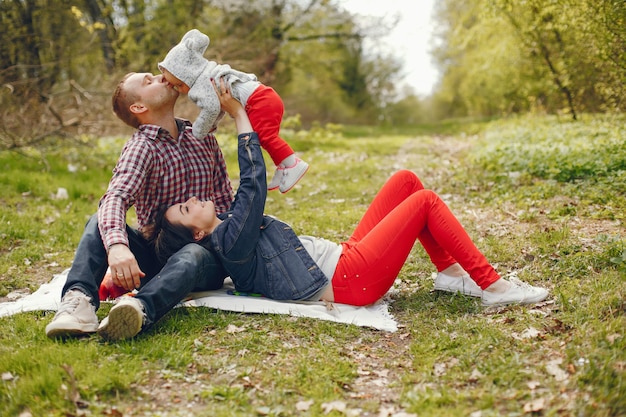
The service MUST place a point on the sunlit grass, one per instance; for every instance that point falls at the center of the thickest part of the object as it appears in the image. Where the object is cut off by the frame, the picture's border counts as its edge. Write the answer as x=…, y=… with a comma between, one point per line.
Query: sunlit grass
x=450, y=355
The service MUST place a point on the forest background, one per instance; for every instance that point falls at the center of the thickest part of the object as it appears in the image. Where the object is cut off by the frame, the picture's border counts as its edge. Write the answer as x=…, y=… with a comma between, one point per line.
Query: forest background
x=60, y=60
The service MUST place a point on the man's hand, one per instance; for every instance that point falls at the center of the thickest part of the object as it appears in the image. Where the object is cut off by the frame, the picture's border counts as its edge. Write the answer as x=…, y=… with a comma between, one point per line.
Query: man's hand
x=125, y=270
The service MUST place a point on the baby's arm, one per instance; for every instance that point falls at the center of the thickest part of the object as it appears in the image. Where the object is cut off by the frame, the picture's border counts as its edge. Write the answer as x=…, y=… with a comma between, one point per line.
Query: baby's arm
x=203, y=94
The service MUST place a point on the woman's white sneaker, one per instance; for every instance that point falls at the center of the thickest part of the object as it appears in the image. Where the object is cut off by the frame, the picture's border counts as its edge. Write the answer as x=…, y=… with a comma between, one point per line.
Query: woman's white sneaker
x=519, y=292
x=463, y=285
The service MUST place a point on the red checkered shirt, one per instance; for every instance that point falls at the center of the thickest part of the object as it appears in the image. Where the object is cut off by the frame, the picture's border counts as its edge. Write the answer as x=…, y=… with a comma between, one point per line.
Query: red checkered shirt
x=154, y=169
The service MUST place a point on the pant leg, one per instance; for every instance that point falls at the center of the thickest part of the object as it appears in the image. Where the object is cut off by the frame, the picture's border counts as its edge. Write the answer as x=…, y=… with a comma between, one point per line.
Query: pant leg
x=89, y=264
x=91, y=260
x=265, y=109
x=372, y=258
x=400, y=185
x=193, y=268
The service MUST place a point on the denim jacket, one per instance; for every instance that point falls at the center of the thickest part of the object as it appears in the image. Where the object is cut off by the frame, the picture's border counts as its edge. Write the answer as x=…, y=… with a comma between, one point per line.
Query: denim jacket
x=261, y=253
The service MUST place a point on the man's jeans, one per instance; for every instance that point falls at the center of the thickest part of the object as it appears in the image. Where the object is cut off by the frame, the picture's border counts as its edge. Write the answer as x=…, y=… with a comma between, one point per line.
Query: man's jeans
x=193, y=268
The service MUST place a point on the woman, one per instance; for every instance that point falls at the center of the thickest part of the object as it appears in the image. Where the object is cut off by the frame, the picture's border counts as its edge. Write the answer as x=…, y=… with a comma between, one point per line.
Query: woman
x=263, y=255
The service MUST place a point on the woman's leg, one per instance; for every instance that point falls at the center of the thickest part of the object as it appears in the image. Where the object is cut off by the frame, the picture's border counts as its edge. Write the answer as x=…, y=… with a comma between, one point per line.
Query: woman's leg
x=399, y=186
x=376, y=252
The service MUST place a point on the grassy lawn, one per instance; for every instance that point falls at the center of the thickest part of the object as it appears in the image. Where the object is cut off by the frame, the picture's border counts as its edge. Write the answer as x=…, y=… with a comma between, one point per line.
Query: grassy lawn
x=543, y=198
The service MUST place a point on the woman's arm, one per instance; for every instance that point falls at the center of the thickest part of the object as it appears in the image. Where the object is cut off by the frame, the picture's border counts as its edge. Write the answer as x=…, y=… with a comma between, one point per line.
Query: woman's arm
x=237, y=236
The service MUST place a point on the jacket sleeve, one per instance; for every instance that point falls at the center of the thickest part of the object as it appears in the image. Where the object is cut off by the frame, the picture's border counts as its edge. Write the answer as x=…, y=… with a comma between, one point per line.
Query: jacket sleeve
x=237, y=237
x=230, y=75
x=127, y=182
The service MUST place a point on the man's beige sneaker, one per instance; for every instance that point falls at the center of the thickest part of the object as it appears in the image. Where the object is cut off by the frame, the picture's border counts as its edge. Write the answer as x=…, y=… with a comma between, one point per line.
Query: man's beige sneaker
x=124, y=321
x=519, y=293
x=76, y=316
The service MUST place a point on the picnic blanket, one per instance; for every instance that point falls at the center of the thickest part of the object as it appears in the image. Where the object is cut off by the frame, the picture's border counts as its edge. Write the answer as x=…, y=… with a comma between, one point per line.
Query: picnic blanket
x=377, y=316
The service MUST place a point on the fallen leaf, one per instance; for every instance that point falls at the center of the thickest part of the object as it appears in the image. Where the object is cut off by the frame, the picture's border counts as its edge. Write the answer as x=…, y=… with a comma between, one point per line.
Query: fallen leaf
x=385, y=411
x=571, y=369
x=555, y=370
x=475, y=375
x=439, y=369
x=263, y=411
x=530, y=333
x=234, y=329
x=334, y=406
x=304, y=405
x=535, y=405
x=533, y=384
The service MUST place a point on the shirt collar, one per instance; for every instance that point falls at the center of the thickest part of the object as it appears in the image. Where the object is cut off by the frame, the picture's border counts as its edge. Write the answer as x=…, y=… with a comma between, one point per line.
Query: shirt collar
x=153, y=132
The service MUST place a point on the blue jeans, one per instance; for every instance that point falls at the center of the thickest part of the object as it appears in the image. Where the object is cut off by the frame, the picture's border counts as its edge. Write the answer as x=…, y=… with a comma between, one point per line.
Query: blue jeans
x=193, y=268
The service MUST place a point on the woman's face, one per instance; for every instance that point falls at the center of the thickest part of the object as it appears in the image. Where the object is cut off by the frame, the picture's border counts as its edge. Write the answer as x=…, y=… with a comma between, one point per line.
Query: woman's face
x=198, y=216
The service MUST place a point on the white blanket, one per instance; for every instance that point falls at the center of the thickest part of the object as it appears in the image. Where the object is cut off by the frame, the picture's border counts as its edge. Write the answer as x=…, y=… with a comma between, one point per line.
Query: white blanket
x=377, y=316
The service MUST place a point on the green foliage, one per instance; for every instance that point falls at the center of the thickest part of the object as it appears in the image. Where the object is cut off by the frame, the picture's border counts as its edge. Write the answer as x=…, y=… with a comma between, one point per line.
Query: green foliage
x=503, y=56
x=570, y=152
x=59, y=57
x=615, y=251
x=579, y=164
x=46, y=200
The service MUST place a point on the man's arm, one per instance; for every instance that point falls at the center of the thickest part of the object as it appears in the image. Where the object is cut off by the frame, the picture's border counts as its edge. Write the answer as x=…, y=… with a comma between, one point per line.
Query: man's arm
x=128, y=180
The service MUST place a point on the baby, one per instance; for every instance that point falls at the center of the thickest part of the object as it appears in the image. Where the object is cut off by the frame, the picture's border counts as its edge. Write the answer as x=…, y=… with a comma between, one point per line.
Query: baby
x=190, y=73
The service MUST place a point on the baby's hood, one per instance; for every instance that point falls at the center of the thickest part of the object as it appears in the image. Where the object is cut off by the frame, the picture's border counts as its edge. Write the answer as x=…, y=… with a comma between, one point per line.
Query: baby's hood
x=186, y=60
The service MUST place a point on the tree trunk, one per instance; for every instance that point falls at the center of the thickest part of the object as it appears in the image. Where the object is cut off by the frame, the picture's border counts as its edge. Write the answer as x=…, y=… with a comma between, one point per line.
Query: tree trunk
x=95, y=11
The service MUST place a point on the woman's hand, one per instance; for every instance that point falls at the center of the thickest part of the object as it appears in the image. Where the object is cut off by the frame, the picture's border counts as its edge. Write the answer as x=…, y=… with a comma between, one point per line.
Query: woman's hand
x=229, y=104
x=233, y=107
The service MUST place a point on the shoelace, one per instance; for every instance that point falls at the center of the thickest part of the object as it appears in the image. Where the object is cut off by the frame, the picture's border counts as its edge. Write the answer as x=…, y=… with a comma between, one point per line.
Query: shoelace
x=521, y=284
x=69, y=304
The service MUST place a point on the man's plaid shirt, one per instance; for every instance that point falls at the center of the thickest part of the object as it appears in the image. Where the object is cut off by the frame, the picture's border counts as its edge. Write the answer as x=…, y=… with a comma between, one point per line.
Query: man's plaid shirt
x=154, y=169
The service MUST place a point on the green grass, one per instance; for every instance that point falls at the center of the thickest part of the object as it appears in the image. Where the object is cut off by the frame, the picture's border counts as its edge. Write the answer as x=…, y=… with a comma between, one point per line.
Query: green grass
x=542, y=198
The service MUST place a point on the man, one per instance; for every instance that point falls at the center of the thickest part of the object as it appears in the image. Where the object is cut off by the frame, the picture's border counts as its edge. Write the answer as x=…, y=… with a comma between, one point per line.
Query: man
x=162, y=163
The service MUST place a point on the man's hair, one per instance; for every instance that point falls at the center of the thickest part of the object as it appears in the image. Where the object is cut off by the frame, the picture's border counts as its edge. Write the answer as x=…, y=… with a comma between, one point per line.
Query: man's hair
x=122, y=100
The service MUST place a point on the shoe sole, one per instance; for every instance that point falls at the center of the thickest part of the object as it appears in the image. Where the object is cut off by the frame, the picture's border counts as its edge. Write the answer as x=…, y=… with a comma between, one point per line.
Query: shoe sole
x=272, y=188
x=123, y=322
x=456, y=291
x=64, y=333
x=532, y=300
x=295, y=182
